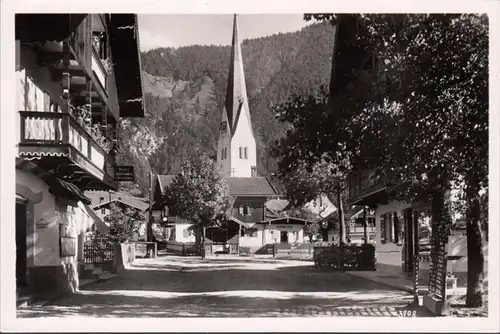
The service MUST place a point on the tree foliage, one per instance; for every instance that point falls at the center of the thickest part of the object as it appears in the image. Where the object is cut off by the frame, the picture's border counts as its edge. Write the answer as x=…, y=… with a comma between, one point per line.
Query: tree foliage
x=123, y=223
x=200, y=194
x=424, y=124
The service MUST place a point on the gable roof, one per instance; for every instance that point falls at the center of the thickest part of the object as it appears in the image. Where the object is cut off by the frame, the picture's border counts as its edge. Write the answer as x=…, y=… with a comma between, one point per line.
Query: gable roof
x=250, y=186
x=165, y=180
x=137, y=203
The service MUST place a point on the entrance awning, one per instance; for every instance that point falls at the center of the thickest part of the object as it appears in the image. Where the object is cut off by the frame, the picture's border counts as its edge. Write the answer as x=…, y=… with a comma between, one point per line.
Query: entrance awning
x=237, y=221
x=65, y=189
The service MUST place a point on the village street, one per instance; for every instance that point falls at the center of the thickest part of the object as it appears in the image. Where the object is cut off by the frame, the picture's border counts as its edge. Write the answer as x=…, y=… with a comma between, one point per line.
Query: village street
x=229, y=287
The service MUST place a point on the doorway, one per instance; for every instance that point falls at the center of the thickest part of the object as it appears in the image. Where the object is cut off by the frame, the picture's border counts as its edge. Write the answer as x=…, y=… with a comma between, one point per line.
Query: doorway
x=21, y=260
x=284, y=237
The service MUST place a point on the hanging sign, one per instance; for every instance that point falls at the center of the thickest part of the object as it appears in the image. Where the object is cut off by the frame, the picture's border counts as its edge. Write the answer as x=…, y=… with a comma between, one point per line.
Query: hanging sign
x=124, y=174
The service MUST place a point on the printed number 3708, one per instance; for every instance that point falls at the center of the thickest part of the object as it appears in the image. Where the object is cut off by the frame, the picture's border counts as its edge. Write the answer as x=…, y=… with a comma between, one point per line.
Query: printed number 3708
x=407, y=313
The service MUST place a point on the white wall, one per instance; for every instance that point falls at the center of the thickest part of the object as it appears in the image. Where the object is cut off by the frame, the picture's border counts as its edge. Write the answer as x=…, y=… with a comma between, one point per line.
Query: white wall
x=224, y=142
x=179, y=233
x=389, y=253
x=272, y=233
x=48, y=215
x=243, y=138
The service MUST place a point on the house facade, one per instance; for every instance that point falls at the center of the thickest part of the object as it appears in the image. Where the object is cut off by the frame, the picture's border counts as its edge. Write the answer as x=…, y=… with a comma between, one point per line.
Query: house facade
x=76, y=76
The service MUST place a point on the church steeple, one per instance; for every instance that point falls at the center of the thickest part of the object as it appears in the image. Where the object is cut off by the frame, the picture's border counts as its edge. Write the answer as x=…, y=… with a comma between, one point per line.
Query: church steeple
x=236, y=93
x=237, y=152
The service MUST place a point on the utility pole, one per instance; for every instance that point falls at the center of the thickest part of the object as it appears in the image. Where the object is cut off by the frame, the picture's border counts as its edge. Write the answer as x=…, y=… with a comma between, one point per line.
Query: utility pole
x=149, y=228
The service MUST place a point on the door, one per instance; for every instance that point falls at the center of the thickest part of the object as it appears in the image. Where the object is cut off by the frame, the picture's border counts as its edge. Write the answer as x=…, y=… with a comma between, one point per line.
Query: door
x=21, y=279
x=284, y=237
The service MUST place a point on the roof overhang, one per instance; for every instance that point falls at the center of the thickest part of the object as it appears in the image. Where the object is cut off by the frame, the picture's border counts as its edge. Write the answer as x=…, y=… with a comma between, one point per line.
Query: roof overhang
x=46, y=27
x=237, y=221
x=124, y=41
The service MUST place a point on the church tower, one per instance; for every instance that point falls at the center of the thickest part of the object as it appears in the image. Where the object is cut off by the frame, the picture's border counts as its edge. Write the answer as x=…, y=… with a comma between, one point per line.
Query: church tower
x=236, y=149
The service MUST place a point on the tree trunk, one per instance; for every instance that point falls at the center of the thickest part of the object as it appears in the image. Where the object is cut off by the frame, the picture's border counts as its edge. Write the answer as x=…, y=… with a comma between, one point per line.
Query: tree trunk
x=475, y=256
x=202, y=242
x=365, y=226
x=341, y=217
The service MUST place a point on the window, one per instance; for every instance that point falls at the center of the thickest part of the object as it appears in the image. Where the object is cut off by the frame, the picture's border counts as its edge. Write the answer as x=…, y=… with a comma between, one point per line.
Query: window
x=240, y=210
x=245, y=210
x=225, y=152
x=101, y=199
x=103, y=211
x=390, y=228
x=222, y=154
x=253, y=171
x=246, y=152
x=241, y=152
x=185, y=233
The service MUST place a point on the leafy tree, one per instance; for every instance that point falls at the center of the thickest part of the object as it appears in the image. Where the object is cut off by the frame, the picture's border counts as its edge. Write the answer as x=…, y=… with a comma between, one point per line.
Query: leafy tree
x=307, y=164
x=424, y=113
x=123, y=223
x=200, y=194
x=426, y=124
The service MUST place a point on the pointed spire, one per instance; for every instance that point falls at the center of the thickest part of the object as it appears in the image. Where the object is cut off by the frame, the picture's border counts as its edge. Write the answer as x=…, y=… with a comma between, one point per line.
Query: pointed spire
x=236, y=94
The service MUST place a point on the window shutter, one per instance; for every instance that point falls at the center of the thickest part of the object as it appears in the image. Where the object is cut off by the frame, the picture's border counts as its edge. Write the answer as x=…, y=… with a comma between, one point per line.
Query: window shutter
x=241, y=152
x=246, y=152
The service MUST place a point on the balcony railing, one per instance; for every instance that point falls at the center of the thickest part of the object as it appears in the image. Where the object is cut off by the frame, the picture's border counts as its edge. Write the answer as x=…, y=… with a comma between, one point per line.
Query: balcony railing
x=364, y=183
x=43, y=129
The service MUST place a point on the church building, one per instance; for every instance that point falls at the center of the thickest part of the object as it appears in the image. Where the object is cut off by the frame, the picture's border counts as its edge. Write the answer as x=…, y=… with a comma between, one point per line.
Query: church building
x=237, y=152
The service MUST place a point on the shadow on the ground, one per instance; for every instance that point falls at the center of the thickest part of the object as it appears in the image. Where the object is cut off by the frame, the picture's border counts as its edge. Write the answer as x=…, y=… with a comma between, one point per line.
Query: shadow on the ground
x=293, y=290
x=292, y=279
x=95, y=305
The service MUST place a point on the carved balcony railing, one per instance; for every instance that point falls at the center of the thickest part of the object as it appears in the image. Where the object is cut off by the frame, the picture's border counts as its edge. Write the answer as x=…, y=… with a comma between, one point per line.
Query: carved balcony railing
x=53, y=134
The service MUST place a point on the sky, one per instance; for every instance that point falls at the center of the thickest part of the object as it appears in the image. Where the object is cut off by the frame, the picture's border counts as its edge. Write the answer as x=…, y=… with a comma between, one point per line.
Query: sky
x=170, y=30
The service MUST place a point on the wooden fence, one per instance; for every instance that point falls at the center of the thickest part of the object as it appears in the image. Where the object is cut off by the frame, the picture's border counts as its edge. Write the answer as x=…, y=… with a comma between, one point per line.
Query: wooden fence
x=179, y=248
x=293, y=250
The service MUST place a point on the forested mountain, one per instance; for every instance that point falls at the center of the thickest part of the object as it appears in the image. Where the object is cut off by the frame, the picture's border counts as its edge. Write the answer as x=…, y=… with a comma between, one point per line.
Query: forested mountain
x=185, y=90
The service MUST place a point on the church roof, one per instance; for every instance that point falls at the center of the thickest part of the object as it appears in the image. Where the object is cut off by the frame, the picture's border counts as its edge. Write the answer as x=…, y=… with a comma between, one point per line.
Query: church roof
x=236, y=93
x=238, y=186
x=250, y=186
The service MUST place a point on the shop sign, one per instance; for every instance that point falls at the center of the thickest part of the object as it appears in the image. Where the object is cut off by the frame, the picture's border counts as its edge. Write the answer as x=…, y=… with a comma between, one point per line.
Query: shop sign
x=124, y=174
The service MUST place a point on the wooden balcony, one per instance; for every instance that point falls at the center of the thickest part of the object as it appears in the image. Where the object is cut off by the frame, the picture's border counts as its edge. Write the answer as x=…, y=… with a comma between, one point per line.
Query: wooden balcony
x=99, y=70
x=58, y=143
x=366, y=188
